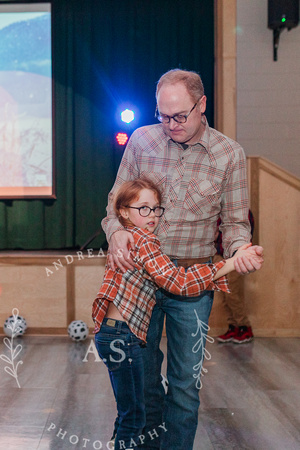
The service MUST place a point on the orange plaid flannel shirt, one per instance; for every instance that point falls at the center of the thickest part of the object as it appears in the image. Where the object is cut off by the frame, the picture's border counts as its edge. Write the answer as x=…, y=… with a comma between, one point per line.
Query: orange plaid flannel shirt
x=133, y=292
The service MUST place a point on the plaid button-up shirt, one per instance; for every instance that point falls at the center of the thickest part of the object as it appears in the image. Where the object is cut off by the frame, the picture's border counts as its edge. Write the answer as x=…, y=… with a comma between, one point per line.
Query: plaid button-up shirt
x=206, y=181
x=133, y=293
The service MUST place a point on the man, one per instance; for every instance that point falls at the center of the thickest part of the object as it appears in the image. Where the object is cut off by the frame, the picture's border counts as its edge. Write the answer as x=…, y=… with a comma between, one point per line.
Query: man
x=202, y=175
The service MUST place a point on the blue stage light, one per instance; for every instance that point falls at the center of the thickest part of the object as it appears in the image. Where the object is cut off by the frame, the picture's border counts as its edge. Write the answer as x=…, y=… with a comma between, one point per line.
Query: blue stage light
x=127, y=116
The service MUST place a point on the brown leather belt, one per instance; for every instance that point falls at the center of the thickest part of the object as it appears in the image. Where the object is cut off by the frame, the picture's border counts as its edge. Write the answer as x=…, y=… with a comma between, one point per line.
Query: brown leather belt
x=187, y=262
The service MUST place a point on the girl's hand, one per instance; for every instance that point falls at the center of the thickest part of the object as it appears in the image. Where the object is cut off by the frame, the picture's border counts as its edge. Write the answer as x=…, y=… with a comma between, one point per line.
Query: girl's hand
x=248, y=258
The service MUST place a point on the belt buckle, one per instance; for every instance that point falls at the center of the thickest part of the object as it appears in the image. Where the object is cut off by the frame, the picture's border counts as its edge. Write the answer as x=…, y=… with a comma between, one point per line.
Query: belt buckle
x=111, y=322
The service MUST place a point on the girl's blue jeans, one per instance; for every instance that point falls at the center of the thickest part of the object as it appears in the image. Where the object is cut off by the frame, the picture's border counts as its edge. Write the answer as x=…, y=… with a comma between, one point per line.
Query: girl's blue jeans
x=121, y=352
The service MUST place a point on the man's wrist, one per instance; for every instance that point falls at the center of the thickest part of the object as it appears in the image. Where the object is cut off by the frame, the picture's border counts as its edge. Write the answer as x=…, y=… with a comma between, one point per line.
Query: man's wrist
x=120, y=228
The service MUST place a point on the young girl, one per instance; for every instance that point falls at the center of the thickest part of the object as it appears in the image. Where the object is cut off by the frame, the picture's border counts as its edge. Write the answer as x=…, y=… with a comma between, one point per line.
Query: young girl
x=124, y=303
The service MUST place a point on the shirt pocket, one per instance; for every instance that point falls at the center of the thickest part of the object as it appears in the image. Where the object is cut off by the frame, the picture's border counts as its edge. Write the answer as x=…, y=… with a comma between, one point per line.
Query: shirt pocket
x=202, y=198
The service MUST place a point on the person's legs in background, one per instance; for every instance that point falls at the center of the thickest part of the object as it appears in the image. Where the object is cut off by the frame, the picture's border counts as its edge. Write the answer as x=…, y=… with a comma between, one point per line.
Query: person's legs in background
x=239, y=327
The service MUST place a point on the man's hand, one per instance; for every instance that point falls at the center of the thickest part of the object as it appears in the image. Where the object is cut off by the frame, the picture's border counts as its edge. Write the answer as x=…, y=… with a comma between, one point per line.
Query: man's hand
x=248, y=259
x=119, y=254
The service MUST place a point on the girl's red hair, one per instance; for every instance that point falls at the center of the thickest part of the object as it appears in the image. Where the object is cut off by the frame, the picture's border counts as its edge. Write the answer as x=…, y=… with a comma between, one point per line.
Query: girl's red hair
x=129, y=192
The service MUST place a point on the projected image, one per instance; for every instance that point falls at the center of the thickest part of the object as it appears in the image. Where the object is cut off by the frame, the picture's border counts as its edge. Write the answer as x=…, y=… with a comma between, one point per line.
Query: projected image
x=26, y=168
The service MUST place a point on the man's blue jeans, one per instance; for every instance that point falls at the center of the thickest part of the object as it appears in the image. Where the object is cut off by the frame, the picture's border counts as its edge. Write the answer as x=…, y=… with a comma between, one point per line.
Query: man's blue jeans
x=171, y=420
x=120, y=350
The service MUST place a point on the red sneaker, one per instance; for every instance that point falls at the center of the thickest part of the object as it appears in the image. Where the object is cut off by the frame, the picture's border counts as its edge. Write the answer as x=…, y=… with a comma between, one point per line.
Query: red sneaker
x=229, y=335
x=243, y=335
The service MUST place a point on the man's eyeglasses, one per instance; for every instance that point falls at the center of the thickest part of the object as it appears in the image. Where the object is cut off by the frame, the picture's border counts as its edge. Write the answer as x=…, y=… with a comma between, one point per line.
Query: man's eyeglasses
x=179, y=118
x=146, y=210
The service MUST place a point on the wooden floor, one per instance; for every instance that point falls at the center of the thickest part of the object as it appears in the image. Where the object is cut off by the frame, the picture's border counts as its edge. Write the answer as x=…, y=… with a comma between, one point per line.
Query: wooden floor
x=250, y=397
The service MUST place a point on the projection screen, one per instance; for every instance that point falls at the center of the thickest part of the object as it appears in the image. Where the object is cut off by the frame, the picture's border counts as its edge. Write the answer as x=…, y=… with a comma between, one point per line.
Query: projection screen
x=26, y=129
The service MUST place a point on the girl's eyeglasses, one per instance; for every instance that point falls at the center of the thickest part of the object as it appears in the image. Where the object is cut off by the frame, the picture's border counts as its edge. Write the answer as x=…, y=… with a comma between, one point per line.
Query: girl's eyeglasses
x=146, y=210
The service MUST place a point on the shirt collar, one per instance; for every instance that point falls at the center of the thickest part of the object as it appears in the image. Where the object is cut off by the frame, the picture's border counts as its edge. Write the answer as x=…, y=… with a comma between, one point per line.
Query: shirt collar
x=204, y=141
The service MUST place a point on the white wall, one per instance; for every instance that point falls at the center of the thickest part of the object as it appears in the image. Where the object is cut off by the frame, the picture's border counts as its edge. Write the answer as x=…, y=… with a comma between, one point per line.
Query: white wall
x=268, y=92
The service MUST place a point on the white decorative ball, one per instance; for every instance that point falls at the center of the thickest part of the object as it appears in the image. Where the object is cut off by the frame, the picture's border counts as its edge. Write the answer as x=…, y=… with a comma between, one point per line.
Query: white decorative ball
x=78, y=330
x=15, y=326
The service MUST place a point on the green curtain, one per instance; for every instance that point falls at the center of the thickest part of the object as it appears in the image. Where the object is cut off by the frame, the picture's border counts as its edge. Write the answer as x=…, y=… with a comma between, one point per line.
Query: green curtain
x=105, y=53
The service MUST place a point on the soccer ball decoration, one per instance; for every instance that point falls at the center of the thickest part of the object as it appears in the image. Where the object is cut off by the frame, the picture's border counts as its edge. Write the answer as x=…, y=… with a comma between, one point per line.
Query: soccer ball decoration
x=78, y=330
x=15, y=326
